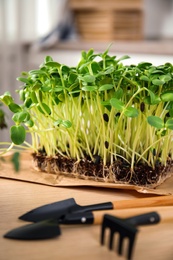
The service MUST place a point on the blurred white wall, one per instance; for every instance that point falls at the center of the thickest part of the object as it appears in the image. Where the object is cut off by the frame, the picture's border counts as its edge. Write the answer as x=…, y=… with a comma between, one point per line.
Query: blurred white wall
x=31, y=19
x=28, y=20
x=22, y=21
x=158, y=19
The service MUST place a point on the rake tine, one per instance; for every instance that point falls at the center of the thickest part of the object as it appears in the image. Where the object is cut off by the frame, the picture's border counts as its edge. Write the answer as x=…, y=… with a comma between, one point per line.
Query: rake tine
x=102, y=234
x=131, y=246
x=105, y=224
x=125, y=230
x=111, y=240
x=120, y=245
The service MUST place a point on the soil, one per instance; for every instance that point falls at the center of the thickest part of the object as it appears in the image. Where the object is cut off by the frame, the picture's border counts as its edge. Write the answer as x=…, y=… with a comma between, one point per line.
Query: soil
x=118, y=172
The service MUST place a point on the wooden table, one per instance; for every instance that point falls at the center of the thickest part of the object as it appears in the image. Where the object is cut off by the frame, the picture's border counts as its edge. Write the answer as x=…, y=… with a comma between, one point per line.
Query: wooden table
x=76, y=242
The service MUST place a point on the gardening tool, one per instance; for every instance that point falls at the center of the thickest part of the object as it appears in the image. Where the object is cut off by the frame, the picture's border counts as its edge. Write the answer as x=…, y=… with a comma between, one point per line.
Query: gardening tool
x=31, y=231
x=40, y=230
x=126, y=228
x=61, y=208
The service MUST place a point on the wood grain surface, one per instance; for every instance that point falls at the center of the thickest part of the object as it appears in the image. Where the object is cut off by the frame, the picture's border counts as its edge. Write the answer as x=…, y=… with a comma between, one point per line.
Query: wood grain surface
x=76, y=242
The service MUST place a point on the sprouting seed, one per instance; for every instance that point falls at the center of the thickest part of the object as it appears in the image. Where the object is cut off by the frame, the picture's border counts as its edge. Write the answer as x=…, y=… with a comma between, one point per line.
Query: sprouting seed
x=167, y=114
x=105, y=117
x=117, y=114
x=154, y=152
x=106, y=144
x=96, y=158
x=142, y=106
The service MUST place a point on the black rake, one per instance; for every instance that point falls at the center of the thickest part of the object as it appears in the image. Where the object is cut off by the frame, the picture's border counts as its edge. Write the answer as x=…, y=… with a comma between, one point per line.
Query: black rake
x=126, y=229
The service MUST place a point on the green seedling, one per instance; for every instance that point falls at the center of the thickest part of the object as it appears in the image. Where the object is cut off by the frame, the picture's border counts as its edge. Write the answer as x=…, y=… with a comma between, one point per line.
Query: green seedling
x=3, y=124
x=101, y=110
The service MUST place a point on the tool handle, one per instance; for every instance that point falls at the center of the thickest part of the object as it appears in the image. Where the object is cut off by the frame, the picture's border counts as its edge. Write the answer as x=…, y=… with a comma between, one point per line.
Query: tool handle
x=144, y=202
x=124, y=204
x=165, y=213
x=144, y=219
x=133, y=203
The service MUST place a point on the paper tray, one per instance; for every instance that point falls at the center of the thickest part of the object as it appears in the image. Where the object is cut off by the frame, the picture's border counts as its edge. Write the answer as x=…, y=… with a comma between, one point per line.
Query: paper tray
x=27, y=173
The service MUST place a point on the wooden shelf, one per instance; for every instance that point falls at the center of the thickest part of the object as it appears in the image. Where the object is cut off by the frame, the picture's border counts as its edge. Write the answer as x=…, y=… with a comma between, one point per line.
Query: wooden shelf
x=108, y=20
x=157, y=47
x=106, y=5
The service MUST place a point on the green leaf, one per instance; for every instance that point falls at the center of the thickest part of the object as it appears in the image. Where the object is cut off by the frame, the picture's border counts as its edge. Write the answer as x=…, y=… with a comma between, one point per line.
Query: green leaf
x=83, y=67
x=144, y=78
x=75, y=91
x=37, y=72
x=171, y=112
x=28, y=102
x=6, y=98
x=29, y=123
x=58, y=89
x=61, y=97
x=20, y=117
x=105, y=103
x=46, y=88
x=66, y=123
x=156, y=71
x=167, y=95
x=106, y=87
x=88, y=78
x=15, y=160
x=2, y=119
x=157, y=82
x=18, y=134
x=33, y=97
x=24, y=73
x=65, y=69
x=155, y=121
x=169, y=124
x=109, y=70
x=144, y=65
x=89, y=88
x=95, y=67
x=116, y=103
x=44, y=109
x=152, y=101
x=165, y=78
x=22, y=94
x=53, y=64
x=152, y=97
x=72, y=78
x=58, y=122
x=119, y=93
x=84, y=54
x=131, y=112
x=104, y=54
x=48, y=59
x=14, y=107
x=90, y=53
x=25, y=80
x=125, y=57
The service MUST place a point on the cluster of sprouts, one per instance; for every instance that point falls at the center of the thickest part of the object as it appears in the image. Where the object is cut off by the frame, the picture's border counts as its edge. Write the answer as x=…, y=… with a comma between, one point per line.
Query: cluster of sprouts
x=100, y=107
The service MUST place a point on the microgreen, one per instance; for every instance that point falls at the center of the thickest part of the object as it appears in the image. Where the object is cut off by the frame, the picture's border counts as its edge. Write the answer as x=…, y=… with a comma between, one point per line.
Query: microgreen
x=3, y=124
x=100, y=107
x=2, y=118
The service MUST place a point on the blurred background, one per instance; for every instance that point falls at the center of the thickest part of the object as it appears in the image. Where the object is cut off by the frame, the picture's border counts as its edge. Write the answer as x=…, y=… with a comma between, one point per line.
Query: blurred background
x=32, y=29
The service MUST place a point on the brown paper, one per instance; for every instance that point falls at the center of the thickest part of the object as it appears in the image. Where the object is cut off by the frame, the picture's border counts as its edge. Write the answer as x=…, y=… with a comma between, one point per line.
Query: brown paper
x=27, y=173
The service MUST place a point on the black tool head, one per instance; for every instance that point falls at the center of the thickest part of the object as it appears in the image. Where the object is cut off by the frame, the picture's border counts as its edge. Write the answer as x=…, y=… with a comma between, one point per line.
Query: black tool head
x=53, y=210
x=59, y=209
x=41, y=230
x=119, y=226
